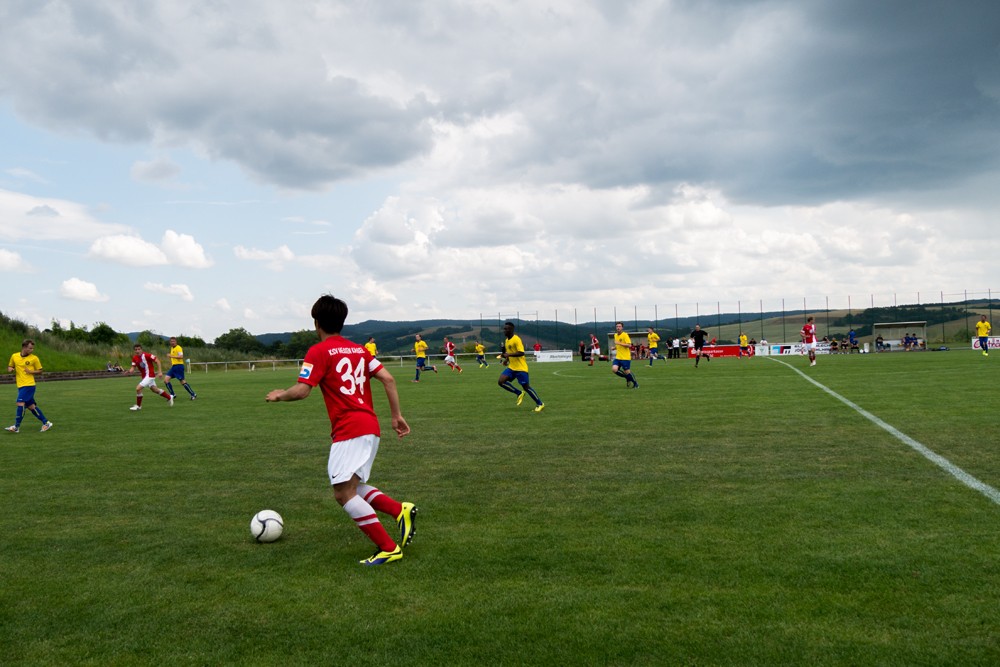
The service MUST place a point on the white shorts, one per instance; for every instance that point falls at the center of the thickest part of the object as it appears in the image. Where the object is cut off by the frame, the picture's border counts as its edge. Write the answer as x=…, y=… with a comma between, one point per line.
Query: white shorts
x=809, y=347
x=147, y=382
x=352, y=457
x=596, y=351
x=449, y=359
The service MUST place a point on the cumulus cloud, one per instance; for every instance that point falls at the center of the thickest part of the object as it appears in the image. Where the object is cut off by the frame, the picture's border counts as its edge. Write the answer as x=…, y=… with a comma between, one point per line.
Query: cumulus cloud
x=159, y=171
x=80, y=290
x=178, y=290
x=46, y=219
x=12, y=261
x=176, y=249
x=776, y=102
x=250, y=315
x=222, y=305
x=276, y=259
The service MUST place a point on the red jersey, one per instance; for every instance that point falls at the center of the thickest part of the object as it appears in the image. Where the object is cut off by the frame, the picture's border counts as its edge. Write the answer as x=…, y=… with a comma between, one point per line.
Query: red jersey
x=809, y=333
x=144, y=362
x=343, y=371
x=449, y=347
x=538, y=346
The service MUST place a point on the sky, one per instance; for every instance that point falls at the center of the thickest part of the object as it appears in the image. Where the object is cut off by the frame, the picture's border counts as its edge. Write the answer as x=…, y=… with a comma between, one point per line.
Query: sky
x=192, y=167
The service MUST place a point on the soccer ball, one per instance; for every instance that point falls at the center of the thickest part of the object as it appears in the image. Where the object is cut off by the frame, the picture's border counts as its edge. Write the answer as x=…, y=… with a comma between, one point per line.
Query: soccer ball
x=266, y=526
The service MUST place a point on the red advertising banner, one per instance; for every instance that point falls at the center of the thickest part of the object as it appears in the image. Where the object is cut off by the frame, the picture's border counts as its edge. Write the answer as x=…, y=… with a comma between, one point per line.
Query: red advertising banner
x=717, y=351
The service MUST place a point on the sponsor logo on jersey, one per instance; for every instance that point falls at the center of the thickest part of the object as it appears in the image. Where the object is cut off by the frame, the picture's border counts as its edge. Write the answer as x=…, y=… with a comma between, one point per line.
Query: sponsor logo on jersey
x=306, y=371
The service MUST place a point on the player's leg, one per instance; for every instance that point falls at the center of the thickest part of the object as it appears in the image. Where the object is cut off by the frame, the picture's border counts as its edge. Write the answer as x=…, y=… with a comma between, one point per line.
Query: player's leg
x=18, y=418
x=504, y=382
x=529, y=391
x=138, y=397
x=419, y=366
x=187, y=386
x=35, y=410
x=363, y=515
x=405, y=514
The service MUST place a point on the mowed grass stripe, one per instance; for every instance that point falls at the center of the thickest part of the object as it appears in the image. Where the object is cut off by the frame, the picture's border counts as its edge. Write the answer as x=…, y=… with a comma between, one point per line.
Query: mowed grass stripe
x=728, y=516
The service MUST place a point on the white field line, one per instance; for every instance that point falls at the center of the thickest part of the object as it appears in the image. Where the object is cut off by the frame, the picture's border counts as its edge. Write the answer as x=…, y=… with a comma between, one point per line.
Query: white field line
x=940, y=461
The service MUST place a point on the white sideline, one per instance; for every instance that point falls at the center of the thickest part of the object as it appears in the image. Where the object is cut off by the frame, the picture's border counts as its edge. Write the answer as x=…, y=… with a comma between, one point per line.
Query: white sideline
x=940, y=461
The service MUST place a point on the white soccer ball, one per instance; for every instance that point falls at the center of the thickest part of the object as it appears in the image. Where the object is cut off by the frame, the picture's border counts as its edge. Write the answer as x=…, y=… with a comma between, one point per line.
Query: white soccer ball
x=266, y=526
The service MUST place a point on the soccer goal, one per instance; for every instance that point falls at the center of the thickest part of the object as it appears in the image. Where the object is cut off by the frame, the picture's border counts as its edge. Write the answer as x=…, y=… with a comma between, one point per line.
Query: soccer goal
x=893, y=334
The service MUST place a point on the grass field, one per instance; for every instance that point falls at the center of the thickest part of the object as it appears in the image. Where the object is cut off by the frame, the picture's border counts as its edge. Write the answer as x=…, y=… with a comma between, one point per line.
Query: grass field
x=732, y=514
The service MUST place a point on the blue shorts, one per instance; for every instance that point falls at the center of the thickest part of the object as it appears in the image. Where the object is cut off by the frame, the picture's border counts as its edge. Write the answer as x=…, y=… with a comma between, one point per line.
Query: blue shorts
x=26, y=395
x=176, y=371
x=421, y=362
x=480, y=358
x=623, y=364
x=520, y=376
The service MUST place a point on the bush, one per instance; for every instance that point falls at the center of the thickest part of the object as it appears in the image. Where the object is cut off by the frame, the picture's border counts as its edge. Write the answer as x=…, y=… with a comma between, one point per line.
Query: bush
x=240, y=340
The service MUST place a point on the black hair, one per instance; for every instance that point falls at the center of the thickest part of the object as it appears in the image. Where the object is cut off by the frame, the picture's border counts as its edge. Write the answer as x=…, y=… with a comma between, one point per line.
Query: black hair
x=510, y=323
x=329, y=313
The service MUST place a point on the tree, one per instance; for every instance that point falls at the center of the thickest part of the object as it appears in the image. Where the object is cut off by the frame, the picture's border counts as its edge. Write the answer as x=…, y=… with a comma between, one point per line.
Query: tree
x=240, y=340
x=190, y=341
x=149, y=339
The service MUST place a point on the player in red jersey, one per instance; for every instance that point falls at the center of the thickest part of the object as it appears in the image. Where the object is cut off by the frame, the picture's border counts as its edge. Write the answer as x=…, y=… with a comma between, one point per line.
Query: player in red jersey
x=449, y=355
x=808, y=334
x=343, y=370
x=595, y=349
x=143, y=361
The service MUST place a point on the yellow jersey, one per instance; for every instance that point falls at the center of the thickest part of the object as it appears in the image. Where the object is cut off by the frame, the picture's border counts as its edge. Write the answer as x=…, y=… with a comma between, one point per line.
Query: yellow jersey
x=743, y=341
x=20, y=365
x=982, y=329
x=512, y=345
x=180, y=353
x=480, y=349
x=653, y=338
x=371, y=348
x=624, y=347
x=420, y=346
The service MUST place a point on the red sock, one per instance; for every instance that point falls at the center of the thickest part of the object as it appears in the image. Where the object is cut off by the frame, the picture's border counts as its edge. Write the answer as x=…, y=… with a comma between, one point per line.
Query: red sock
x=138, y=400
x=379, y=501
x=166, y=395
x=365, y=519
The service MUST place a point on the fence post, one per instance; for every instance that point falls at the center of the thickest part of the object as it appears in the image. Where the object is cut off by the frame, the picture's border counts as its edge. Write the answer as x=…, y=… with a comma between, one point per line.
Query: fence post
x=227, y=366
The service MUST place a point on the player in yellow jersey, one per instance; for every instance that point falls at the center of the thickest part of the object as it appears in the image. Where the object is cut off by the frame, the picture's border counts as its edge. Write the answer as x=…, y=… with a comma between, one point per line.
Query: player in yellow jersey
x=654, y=339
x=420, y=347
x=371, y=347
x=176, y=371
x=481, y=354
x=623, y=356
x=744, y=346
x=25, y=367
x=983, y=331
x=517, y=367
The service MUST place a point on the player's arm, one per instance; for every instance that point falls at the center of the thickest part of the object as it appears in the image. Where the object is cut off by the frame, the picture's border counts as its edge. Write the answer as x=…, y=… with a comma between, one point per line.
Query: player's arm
x=176, y=356
x=296, y=392
x=159, y=368
x=399, y=424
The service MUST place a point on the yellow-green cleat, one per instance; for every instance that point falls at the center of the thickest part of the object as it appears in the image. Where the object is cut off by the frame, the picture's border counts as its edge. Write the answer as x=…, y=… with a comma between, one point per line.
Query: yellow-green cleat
x=520, y=397
x=539, y=408
x=406, y=521
x=382, y=557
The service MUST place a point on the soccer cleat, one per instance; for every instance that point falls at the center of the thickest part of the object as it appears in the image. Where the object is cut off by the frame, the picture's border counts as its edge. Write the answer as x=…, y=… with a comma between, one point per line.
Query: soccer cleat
x=414, y=380
x=405, y=521
x=434, y=368
x=381, y=557
x=813, y=363
x=194, y=396
x=13, y=429
x=135, y=407
x=520, y=397
x=635, y=385
x=539, y=408
x=46, y=426
x=459, y=370
x=171, y=401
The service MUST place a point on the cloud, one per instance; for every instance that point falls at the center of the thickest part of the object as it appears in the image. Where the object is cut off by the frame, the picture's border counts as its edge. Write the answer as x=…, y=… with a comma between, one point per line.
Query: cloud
x=250, y=315
x=275, y=259
x=222, y=305
x=25, y=173
x=771, y=103
x=23, y=217
x=178, y=290
x=79, y=290
x=181, y=250
x=176, y=249
x=159, y=171
x=12, y=261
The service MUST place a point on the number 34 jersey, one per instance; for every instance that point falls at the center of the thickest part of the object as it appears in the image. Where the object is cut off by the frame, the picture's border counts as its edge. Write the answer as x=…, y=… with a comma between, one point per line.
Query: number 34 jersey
x=343, y=371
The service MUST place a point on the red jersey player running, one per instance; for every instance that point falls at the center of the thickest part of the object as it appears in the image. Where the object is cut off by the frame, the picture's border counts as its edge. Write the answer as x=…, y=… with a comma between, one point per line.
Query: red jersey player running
x=808, y=334
x=449, y=355
x=144, y=362
x=343, y=370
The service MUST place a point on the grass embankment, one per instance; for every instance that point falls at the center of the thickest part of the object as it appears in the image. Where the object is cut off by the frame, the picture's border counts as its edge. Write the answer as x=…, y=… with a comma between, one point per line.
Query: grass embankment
x=732, y=514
